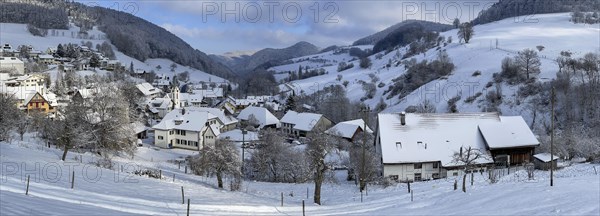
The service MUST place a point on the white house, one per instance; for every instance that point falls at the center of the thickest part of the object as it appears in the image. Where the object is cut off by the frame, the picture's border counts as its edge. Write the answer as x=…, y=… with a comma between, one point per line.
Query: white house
x=299, y=124
x=348, y=129
x=416, y=147
x=159, y=107
x=262, y=115
x=191, y=130
x=46, y=59
x=148, y=90
x=12, y=64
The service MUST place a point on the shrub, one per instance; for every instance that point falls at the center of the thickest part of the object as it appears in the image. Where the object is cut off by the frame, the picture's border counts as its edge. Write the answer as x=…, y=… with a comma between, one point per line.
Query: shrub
x=476, y=73
x=472, y=98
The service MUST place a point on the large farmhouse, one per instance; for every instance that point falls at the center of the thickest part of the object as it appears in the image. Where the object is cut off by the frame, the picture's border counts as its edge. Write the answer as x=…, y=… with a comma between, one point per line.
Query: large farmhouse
x=299, y=124
x=416, y=147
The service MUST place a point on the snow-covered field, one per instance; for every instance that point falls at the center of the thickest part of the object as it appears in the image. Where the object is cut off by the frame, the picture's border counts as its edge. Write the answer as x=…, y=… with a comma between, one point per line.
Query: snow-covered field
x=102, y=191
x=553, y=31
x=17, y=34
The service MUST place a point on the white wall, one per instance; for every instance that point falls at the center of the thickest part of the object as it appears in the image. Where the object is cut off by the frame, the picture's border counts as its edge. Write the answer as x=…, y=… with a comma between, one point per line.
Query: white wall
x=407, y=171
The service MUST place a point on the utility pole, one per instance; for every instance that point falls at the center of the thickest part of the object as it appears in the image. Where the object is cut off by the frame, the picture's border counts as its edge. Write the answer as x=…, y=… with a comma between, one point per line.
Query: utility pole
x=244, y=132
x=362, y=176
x=552, y=143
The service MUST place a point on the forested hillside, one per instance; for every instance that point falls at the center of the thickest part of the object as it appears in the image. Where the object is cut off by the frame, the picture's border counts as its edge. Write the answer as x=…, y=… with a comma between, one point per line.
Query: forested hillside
x=131, y=35
x=513, y=8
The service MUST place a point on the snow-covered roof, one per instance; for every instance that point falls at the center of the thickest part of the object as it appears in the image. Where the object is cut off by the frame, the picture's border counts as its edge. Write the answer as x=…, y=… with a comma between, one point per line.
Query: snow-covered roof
x=138, y=127
x=162, y=103
x=220, y=114
x=431, y=137
x=209, y=93
x=189, y=121
x=301, y=121
x=260, y=99
x=545, y=157
x=263, y=115
x=509, y=132
x=236, y=136
x=87, y=93
x=347, y=129
x=10, y=60
x=147, y=89
x=46, y=56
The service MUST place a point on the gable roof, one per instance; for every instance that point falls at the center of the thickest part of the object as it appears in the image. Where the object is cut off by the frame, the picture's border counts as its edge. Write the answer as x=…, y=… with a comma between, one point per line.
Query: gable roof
x=430, y=137
x=509, y=132
x=147, y=89
x=545, y=157
x=190, y=121
x=220, y=114
x=347, y=129
x=301, y=121
x=263, y=115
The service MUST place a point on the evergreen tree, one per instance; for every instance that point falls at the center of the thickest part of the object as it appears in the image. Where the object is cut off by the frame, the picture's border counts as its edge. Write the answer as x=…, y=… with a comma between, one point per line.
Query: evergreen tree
x=60, y=50
x=290, y=103
x=94, y=61
x=300, y=72
x=131, y=68
x=456, y=23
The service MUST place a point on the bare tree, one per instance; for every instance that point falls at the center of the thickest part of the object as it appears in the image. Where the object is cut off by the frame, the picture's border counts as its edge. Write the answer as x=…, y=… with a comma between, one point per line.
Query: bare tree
x=276, y=161
x=466, y=32
x=8, y=115
x=528, y=62
x=467, y=158
x=319, y=147
x=363, y=158
x=426, y=107
x=73, y=129
x=22, y=124
x=221, y=160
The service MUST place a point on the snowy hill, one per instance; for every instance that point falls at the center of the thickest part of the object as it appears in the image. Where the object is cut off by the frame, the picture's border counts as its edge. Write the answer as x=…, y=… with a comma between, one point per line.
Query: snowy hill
x=100, y=191
x=17, y=34
x=553, y=31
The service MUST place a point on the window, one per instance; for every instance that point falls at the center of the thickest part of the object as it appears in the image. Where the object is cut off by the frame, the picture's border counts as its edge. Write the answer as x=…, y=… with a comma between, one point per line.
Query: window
x=177, y=132
x=417, y=176
x=455, y=174
x=177, y=141
x=435, y=176
x=394, y=177
x=435, y=165
x=160, y=137
x=171, y=132
x=418, y=166
x=182, y=133
x=183, y=142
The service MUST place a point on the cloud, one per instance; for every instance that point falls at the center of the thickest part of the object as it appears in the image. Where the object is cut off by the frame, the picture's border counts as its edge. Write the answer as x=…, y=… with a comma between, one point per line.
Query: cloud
x=219, y=26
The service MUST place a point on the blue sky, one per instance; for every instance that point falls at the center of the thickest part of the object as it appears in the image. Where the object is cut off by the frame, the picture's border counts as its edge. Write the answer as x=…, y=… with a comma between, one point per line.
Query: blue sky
x=217, y=27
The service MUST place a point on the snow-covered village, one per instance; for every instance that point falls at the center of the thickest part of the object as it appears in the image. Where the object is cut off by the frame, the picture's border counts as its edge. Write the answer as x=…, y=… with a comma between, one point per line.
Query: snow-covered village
x=329, y=108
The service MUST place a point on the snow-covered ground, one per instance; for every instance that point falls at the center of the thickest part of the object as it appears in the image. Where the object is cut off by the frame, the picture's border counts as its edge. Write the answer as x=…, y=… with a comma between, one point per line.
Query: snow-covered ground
x=100, y=191
x=17, y=34
x=553, y=31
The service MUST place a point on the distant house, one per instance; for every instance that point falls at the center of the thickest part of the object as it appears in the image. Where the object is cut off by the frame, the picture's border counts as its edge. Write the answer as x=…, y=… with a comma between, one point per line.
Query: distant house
x=82, y=95
x=140, y=130
x=45, y=59
x=348, y=129
x=191, y=130
x=159, y=107
x=31, y=82
x=543, y=161
x=299, y=124
x=263, y=117
x=12, y=64
x=417, y=147
x=148, y=90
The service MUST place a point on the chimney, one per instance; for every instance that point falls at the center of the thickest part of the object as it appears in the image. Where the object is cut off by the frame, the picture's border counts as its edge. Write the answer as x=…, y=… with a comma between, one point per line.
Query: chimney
x=403, y=118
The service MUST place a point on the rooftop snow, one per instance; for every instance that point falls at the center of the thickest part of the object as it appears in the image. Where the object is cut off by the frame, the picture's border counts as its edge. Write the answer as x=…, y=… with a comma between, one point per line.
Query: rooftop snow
x=301, y=121
x=348, y=128
x=430, y=137
x=190, y=121
x=510, y=131
x=263, y=115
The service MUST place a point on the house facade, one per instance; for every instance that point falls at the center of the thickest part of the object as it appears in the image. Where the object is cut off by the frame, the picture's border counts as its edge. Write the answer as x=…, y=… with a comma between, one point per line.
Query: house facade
x=12, y=64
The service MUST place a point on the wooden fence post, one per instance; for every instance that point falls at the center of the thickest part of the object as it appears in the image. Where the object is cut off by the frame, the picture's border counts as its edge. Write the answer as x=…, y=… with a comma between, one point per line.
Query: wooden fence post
x=188, y=208
x=411, y=196
x=27, y=190
x=471, y=178
x=73, y=180
x=408, y=183
x=182, y=196
x=185, y=169
x=173, y=177
x=159, y=174
x=361, y=198
x=303, y=212
x=455, y=184
x=595, y=171
x=306, y=192
x=281, y=198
